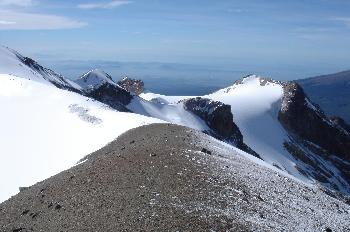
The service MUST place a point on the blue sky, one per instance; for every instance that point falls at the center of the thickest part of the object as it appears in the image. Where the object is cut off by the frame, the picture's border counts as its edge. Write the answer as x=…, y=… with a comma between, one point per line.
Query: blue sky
x=279, y=34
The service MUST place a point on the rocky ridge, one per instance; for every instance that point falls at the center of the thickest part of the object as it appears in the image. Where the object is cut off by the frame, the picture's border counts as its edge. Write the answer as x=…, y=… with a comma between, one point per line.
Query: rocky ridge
x=314, y=136
x=125, y=186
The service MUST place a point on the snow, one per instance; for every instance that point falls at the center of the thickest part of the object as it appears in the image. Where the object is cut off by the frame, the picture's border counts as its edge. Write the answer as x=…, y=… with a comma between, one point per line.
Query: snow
x=255, y=110
x=45, y=130
x=173, y=113
x=163, y=98
x=167, y=108
x=94, y=79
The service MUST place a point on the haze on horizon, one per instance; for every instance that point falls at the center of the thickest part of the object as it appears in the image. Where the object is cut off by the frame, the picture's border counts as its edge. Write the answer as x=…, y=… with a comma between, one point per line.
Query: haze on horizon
x=281, y=38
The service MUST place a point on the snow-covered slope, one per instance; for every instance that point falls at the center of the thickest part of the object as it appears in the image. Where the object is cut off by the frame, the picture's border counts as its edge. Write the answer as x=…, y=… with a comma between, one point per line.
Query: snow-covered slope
x=13, y=63
x=256, y=104
x=45, y=130
x=174, y=113
x=163, y=98
x=100, y=86
x=255, y=109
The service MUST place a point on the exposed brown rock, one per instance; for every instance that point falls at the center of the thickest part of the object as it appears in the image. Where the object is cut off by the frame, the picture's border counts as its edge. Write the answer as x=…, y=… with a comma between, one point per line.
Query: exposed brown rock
x=132, y=85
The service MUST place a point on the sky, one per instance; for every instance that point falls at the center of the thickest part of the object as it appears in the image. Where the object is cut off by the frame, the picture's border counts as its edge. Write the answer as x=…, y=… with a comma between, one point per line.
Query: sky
x=305, y=36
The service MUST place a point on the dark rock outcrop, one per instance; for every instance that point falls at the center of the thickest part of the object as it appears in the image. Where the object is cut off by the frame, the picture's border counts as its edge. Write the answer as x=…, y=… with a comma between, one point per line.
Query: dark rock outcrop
x=132, y=85
x=218, y=116
x=304, y=119
x=112, y=95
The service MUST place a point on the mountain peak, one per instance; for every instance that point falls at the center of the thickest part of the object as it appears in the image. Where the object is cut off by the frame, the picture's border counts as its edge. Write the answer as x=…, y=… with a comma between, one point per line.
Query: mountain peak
x=98, y=73
x=252, y=81
x=253, y=78
x=94, y=79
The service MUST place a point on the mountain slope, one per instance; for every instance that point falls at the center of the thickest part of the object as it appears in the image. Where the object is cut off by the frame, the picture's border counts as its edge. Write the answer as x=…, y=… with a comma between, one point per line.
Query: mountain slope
x=256, y=105
x=331, y=92
x=255, y=110
x=96, y=85
x=268, y=119
x=170, y=178
x=279, y=122
x=174, y=113
x=45, y=130
x=13, y=63
x=99, y=85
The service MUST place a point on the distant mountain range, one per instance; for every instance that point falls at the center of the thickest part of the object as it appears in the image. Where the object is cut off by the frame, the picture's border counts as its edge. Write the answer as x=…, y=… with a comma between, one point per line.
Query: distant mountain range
x=331, y=92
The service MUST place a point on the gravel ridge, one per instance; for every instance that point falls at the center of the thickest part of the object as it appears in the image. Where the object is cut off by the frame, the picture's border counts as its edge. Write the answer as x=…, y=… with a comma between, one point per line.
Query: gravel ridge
x=164, y=177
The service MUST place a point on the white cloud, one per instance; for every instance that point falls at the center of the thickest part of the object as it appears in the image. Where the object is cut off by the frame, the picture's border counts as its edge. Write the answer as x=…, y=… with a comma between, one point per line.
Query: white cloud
x=16, y=2
x=12, y=20
x=343, y=19
x=104, y=5
x=3, y=22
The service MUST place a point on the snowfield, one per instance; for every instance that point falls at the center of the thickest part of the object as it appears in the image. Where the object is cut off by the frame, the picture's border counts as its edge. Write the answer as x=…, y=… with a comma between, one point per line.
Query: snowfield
x=45, y=130
x=255, y=110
